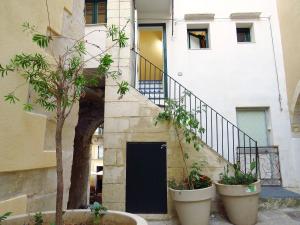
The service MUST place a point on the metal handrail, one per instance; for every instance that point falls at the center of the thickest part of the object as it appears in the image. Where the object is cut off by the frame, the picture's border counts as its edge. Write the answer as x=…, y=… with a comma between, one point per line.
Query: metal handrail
x=220, y=134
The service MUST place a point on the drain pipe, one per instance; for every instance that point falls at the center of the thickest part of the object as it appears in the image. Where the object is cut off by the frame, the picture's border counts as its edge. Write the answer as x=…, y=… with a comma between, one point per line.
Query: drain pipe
x=172, y=18
x=275, y=64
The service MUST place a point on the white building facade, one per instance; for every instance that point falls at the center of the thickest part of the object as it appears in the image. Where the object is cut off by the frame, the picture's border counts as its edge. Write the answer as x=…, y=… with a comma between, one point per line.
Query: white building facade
x=227, y=53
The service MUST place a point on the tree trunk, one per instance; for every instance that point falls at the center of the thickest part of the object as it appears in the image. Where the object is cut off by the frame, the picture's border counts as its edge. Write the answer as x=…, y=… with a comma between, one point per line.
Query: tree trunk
x=91, y=116
x=59, y=169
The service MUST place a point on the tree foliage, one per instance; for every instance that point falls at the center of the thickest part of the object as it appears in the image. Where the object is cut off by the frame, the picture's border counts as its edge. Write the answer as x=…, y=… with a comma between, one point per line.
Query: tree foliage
x=58, y=86
x=185, y=123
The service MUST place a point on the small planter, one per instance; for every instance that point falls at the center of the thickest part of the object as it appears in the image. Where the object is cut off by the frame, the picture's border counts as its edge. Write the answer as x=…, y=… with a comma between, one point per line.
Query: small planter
x=240, y=202
x=193, y=206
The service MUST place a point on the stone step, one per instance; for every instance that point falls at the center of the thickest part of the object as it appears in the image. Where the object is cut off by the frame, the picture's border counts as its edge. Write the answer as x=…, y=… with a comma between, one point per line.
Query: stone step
x=150, y=81
x=151, y=91
x=151, y=86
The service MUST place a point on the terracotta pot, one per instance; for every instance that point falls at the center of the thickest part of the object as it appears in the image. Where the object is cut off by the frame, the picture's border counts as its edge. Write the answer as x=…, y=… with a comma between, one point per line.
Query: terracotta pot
x=193, y=206
x=240, y=202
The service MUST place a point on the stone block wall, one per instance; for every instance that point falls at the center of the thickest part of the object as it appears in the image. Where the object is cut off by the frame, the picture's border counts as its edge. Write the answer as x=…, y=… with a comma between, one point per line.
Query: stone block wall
x=131, y=119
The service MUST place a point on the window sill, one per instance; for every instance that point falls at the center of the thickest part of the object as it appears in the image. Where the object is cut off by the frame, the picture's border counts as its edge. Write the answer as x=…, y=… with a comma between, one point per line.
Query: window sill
x=199, y=49
x=95, y=24
x=245, y=43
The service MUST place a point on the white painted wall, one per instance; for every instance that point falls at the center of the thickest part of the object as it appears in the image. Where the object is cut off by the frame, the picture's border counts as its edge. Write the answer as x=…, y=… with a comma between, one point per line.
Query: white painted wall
x=95, y=35
x=229, y=74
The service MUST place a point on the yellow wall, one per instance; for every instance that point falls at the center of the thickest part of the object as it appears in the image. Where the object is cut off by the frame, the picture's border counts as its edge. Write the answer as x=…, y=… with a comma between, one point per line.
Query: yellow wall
x=22, y=134
x=289, y=15
x=26, y=139
x=151, y=47
x=17, y=205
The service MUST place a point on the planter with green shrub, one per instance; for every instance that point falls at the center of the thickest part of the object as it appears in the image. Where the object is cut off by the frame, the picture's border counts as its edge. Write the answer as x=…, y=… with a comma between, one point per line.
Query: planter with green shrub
x=192, y=196
x=240, y=195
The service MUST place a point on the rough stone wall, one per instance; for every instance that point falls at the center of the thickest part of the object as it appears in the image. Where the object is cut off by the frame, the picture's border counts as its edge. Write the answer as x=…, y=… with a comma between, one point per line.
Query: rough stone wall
x=131, y=119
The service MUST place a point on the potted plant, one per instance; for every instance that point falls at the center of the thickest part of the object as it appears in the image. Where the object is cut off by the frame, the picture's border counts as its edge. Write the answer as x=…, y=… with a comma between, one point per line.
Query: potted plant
x=240, y=195
x=192, y=196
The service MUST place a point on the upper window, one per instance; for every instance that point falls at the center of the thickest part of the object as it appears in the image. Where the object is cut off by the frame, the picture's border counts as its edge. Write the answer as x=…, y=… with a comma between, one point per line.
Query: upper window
x=243, y=34
x=197, y=38
x=95, y=11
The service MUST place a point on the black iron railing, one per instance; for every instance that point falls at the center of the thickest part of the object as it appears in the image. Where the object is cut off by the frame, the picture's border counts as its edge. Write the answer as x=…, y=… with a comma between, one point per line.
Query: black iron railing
x=220, y=134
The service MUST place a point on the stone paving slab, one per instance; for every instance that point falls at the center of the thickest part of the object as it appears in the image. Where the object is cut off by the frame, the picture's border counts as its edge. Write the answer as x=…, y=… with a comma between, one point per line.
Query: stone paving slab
x=266, y=217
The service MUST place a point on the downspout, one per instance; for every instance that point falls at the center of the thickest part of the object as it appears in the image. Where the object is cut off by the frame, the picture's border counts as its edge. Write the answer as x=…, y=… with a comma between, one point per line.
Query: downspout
x=172, y=18
x=275, y=64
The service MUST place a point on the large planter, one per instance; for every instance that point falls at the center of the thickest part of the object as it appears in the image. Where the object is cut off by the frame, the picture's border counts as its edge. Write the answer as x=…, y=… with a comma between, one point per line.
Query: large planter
x=79, y=217
x=193, y=206
x=240, y=202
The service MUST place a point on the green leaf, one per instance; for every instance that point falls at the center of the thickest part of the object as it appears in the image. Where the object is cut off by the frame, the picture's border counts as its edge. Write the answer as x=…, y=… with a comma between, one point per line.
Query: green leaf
x=80, y=48
x=123, y=88
x=112, y=31
x=41, y=40
x=105, y=63
x=38, y=218
x=11, y=98
x=29, y=28
x=122, y=40
x=5, y=69
x=252, y=165
x=27, y=107
x=4, y=216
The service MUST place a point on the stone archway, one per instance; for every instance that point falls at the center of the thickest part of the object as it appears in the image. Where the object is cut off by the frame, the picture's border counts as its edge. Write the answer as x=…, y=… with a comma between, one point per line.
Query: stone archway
x=296, y=117
x=90, y=117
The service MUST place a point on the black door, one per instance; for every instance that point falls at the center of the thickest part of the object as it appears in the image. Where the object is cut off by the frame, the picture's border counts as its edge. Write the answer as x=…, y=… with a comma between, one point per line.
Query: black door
x=146, y=182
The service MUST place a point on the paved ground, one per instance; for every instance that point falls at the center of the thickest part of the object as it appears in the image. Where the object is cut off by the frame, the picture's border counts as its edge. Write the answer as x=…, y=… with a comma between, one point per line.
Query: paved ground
x=266, y=217
x=279, y=192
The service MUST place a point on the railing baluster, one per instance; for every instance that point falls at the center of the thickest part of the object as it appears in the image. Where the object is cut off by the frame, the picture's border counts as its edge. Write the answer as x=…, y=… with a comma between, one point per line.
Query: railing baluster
x=227, y=141
x=179, y=95
x=154, y=88
x=257, y=168
x=145, y=76
x=239, y=147
x=200, y=114
x=211, y=129
x=206, y=124
x=245, y=159
x=233, y=144
x=217, y=133
x=195, y=110
x=222, y=136
x=250, y=150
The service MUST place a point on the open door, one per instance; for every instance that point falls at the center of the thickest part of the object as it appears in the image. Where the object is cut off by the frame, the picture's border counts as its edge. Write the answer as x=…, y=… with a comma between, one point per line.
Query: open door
x=151, y=47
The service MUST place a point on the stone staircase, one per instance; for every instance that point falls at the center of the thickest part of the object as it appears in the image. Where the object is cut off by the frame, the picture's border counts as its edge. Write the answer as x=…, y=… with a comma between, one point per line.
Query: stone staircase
x=218, y=133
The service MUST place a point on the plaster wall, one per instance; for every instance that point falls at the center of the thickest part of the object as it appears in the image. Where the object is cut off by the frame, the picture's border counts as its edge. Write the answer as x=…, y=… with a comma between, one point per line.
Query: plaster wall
x=289, y=21
x=27, y=154
x=228, y=74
